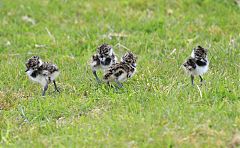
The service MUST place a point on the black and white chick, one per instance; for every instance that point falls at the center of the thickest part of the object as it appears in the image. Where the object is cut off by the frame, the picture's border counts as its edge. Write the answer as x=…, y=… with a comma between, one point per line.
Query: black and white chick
x=103, y=59
x=197, y=64
x=121, y=71
x=42, y=72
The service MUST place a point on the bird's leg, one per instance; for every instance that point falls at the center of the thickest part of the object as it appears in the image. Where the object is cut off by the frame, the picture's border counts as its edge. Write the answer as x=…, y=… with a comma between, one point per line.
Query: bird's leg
x=192, y=79
x=118, y=83
x=55, y=86
x=201, y=79
x=45, y=89
x=95, y=74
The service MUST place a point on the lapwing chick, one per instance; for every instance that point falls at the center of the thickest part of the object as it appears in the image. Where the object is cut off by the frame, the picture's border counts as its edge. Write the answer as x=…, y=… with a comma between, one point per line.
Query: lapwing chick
x=103, y=59
x=42, y=72
x=197, y=64
x=121, y=71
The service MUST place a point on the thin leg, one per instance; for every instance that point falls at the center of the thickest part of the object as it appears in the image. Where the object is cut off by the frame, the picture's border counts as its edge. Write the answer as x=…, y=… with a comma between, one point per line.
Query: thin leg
x=119, y=84
x=44, y=89
x=55, y=86
x=95, y=74
x=192, y=79
x=201, y=79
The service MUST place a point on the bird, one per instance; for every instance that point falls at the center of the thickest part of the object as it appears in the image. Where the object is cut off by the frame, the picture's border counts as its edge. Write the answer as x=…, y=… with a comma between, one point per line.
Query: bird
x=42, y=72
x=103, y=59
x=197, y=64
x=121, y=71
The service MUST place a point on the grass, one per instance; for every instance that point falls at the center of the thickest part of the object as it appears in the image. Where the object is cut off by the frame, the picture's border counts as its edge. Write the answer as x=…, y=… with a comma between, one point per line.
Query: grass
x=157, y=107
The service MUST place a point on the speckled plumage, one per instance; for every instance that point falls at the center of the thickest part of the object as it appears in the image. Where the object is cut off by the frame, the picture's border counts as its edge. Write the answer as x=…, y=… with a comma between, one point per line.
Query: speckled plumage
x=42, y=72
x=121, y=71
x=197, y=64
x=104, y=58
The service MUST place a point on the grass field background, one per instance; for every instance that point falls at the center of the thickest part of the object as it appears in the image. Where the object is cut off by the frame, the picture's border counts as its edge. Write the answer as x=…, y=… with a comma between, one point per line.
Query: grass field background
x=157, y=107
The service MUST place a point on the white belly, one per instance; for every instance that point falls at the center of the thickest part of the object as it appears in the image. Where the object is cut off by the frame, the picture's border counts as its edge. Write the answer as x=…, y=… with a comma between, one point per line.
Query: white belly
x=42, y=79
x=54, y=75
x=105, y=67
x=200, y=70
x=122, y=77
x=39, y=78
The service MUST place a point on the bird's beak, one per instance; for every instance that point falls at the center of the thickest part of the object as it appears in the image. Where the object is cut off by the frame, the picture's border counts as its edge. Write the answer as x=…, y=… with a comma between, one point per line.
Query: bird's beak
x=27, y=70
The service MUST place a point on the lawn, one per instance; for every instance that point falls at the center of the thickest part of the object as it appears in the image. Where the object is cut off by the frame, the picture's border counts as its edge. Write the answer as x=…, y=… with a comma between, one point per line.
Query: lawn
x=158, y=107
